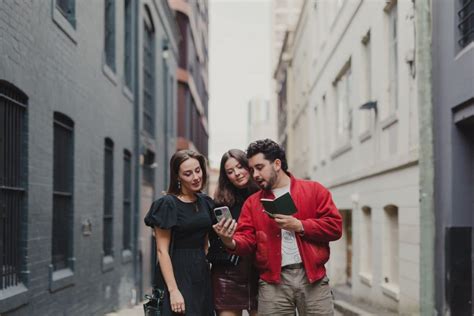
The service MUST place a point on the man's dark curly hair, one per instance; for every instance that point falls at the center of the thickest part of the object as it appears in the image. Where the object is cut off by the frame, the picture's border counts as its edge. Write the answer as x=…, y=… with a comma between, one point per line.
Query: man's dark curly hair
x=270, y=150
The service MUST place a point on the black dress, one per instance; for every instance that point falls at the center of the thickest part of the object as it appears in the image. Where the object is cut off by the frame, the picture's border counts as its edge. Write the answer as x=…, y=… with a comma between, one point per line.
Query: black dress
x=190, y=223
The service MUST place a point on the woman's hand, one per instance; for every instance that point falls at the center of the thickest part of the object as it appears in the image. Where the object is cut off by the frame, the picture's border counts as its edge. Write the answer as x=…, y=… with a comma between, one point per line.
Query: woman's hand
x=177, y=302
x=225, y=229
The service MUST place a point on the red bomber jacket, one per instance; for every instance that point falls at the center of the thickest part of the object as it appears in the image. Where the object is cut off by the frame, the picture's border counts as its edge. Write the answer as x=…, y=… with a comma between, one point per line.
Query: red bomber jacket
x=258, y=233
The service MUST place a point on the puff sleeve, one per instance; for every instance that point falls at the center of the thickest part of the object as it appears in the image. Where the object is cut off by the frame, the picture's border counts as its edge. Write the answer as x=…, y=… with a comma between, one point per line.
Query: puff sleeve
x=162, y=213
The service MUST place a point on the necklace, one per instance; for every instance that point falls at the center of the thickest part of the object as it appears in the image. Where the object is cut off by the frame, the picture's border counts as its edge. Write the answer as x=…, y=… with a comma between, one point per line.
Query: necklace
x=186, y=199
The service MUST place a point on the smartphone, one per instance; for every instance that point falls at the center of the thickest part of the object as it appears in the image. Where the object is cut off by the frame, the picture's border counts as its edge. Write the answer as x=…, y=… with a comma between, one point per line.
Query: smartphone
x=222, y=212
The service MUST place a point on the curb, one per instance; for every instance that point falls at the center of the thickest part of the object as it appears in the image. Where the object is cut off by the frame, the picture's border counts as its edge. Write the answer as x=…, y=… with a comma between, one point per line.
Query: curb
x=348, y=309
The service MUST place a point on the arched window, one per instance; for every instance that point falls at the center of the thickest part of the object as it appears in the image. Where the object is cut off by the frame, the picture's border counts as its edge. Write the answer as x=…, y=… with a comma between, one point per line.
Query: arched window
x=127, y=200
x=108, y=236
x=13, y=184
x=366, y=245
x=390, y=283
x=63, y=182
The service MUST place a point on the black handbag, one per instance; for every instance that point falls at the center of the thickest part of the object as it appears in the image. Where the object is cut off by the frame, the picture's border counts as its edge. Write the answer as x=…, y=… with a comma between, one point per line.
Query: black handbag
x=154, y=304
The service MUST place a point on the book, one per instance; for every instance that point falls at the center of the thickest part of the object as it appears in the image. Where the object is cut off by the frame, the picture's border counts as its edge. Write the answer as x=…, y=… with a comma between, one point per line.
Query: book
x=282, y=205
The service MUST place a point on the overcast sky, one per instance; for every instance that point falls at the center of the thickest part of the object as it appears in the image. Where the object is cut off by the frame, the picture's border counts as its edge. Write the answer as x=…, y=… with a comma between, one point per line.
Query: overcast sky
x=239, y=69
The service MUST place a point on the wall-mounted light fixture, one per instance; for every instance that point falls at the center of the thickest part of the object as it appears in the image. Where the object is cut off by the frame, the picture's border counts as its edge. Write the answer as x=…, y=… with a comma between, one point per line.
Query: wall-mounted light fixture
x=165, y=49
x=371, y=105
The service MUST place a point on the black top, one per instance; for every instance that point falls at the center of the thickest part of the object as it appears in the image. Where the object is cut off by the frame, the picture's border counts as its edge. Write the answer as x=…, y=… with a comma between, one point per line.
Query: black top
x=214, y=240
x=190, y=221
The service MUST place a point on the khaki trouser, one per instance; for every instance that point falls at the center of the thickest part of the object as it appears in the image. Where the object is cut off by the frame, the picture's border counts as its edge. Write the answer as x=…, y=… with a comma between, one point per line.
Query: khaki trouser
x=295, y=291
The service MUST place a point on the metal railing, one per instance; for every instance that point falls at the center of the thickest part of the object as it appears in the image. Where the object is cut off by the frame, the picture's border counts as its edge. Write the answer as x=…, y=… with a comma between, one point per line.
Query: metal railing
x=12, y=183
x=466, y=22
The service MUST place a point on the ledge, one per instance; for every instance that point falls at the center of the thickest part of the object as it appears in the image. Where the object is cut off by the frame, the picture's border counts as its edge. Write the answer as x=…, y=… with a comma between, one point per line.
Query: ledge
x=109, y=73
x=126, y=91
x=107, y=263
x=364, y=136
x=464, y=113
x=13, y=297
x=366, y=278
x=396, y=163
x=389, y=121
x=341, y=150
x=391, y=290
x=127, y=256
x=63, y=23
x=60, y=279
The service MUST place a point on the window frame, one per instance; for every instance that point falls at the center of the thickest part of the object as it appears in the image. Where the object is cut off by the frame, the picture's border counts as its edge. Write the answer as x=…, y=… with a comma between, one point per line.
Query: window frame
x=149, y=78
x=62, y=277
x=110, y=31
x=108, y=199
x=15, y=101
x=127, y=200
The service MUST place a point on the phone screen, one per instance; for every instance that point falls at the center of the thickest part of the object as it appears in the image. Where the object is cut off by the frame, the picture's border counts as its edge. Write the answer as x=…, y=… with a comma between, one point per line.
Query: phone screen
x=222, y=212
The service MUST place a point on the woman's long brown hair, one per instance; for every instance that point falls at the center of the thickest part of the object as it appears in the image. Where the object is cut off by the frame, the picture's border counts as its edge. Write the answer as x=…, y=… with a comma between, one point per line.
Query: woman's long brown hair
x=226, y=193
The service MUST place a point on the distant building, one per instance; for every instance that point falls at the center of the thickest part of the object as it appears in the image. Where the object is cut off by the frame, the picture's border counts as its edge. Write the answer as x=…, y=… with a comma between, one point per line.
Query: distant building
x=86, y=101
x=192, y=74
x=213, y=181
x=352, y=124
x=453, y=127
x=285, y=15
x=262, y=120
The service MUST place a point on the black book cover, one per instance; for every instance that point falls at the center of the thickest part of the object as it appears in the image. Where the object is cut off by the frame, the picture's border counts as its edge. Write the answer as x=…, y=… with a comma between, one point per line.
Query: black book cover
x=282, y=205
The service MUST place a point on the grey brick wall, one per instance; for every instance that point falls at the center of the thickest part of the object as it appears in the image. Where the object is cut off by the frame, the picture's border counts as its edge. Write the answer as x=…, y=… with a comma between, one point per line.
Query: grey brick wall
x=64, y=71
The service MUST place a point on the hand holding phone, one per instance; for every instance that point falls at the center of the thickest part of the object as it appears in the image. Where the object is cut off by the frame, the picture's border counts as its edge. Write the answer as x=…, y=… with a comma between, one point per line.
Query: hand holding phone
x=222, y=212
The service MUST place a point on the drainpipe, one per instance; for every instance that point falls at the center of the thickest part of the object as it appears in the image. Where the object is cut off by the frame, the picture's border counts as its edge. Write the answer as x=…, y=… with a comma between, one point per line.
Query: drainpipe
x=165, y=56
x=426, y=156
x=136, y=156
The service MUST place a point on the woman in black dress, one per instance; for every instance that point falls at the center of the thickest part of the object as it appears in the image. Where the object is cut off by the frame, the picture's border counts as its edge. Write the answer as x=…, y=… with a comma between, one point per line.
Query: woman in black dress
x=183, y=215
x=235, y=287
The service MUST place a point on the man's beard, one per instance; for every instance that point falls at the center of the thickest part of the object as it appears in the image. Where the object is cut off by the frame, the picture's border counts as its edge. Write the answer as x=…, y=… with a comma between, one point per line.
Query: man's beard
x=271, y=181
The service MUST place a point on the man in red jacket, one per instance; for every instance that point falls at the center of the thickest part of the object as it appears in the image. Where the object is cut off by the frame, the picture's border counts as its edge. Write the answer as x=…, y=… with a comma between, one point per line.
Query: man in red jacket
x=290, y=251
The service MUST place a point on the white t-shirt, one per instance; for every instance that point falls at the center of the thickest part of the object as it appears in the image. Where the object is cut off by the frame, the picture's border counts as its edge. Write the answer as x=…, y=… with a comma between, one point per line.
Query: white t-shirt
x=290, y=253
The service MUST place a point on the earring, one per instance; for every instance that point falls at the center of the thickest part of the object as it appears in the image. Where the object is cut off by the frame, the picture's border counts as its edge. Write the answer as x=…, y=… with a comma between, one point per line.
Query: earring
x=179, y=185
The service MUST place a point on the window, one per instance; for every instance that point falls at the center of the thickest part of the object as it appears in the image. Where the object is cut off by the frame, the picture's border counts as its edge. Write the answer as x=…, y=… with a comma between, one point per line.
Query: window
x=127, y=196
x=367, y=82
x=391, y=249
x=366, y=245
x=148, y=79
x=108, y=197
x=128, y=44
x=68, y=9
x=393, y=58
x=343, y=106
x=13, y=183
x=109, y=33
x=465, y=22
x=63, y=177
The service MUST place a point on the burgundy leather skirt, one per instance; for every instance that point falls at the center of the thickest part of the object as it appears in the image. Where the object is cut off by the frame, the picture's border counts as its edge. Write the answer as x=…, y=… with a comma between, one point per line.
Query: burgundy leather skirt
x=235, y=287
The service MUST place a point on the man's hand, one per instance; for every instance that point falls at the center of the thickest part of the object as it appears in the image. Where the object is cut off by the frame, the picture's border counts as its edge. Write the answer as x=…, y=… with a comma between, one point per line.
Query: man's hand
x=225, y=230
x=288, y=222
